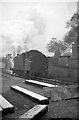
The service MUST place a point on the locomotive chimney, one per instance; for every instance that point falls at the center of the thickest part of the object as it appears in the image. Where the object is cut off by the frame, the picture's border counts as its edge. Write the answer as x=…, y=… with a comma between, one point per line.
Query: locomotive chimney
x=17, y=54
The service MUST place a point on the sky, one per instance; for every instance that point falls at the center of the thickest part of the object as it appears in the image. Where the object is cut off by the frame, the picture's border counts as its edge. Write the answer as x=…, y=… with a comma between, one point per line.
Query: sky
x=30, y=24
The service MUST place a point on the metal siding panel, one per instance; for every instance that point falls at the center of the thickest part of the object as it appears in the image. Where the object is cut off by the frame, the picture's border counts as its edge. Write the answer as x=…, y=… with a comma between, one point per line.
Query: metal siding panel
x=18, y=63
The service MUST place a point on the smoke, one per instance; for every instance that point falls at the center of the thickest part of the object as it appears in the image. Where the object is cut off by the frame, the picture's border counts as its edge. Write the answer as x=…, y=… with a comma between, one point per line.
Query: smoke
x=38, y=21
x=23, y=32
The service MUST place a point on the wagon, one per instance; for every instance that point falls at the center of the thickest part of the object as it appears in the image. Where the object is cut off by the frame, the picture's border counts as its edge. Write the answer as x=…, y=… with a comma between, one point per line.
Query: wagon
x=30, y=64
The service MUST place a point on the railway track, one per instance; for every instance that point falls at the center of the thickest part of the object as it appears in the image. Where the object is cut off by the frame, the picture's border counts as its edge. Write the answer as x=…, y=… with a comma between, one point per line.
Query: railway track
x=57, y=82
x=51, y=81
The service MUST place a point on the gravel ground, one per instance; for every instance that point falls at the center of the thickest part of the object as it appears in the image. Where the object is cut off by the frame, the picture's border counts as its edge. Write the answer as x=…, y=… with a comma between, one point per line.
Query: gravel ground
x=21, y=103
x=60, y=109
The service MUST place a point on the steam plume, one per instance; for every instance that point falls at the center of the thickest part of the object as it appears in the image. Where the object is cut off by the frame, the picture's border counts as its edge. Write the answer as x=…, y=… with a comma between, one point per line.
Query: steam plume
x=22, y=32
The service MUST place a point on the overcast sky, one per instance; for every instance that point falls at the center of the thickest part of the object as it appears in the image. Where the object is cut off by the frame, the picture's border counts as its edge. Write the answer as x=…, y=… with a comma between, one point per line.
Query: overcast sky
x=31, y=25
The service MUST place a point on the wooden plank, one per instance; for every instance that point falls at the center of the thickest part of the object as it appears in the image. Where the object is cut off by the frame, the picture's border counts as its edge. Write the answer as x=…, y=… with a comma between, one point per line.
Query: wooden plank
x=4, y=103
x=36, y=112
x=40, y=98
x=41, y=83
x=6, y=106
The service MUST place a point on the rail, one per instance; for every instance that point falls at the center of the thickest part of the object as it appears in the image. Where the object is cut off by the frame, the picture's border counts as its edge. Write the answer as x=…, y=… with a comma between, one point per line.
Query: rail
x=60, y=82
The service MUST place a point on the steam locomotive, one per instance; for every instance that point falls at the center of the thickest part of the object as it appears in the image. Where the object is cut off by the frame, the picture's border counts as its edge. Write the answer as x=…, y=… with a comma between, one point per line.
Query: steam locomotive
x=31, y=64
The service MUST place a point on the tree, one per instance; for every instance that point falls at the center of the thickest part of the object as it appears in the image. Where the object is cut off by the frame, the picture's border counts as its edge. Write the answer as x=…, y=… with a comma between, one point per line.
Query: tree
x=73, y=25
x=57, y=47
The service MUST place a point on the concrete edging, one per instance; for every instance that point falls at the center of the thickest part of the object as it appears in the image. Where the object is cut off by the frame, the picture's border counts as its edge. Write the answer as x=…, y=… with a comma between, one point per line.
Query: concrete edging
x=36, y=112
x=41, y=99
